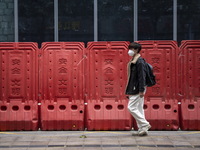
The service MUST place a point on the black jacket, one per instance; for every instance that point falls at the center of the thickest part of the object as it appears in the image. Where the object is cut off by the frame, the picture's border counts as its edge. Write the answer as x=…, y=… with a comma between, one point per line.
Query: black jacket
x=136, y=76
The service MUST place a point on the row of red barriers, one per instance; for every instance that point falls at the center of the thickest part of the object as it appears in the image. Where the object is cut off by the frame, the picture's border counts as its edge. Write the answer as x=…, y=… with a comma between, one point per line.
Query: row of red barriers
x=65, y=86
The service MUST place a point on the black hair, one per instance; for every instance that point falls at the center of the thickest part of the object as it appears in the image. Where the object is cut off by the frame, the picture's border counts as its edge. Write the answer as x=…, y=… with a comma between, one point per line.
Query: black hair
x=135, y=45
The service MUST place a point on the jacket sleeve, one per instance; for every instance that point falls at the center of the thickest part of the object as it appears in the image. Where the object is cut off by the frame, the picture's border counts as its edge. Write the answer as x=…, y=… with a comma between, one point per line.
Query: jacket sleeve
x=141, y=76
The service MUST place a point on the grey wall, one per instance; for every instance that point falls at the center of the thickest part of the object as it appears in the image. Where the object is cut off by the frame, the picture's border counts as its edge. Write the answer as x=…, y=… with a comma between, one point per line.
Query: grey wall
x=6, y=20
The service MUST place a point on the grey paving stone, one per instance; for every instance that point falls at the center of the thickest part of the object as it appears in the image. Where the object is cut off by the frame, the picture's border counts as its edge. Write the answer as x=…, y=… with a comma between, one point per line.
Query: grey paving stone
x=8, y=138
x=63, y=148
x=110, y=142
x=15, y=148
x=74, y=139
x=21, y=143
x=128, y=142
x=75, y=143
x=38, y=143
x=147, y=148
x=92, y=148
x=45, y=139
x=167, y=142
x=180, y=143
x=35, y=148
x=25, y=138
x=93, y=142
x=163, y=148
x=182, y=148
x=111, y=148
x=5, y=143
x=134, y=147
x=57, y=143
x=74, y=148
x=129, y=148
x=145, y=140
x=63, y=139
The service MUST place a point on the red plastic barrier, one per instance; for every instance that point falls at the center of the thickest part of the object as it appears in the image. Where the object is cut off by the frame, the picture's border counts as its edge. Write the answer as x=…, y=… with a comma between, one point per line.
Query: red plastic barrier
x=189, y=84
x=18, y=115
x=105, y=86
x=108, y=115
x=163, y=57
x=19, y=86
x=62, y=85
x=163, y=115
x=62, y=114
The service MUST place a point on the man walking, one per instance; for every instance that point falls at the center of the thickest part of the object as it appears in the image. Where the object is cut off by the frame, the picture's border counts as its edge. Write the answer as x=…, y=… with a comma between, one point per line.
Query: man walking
x=136, y=88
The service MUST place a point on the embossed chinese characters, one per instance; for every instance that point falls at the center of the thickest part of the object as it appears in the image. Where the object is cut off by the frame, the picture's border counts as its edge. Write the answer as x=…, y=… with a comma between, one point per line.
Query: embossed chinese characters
x=15, y=77
x=62, y=80
x=108, y=77
x=156, y=62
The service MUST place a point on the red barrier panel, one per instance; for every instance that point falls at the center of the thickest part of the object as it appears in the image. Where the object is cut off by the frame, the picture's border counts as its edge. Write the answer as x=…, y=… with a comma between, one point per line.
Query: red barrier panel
x=105, y=85
x=18, y=115
x=189, y=84
x=19, y=86
x=161, y=102
x=163, y=115
x=63, y=114
x=108, y=115
x=61, y=86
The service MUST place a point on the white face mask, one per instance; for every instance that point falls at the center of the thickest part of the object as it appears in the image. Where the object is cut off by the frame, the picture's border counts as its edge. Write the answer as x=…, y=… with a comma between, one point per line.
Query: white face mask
x=131, y=52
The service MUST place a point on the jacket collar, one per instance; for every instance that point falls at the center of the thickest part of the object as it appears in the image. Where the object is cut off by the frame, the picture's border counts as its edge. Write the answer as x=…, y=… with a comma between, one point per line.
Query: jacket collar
x=135, y=58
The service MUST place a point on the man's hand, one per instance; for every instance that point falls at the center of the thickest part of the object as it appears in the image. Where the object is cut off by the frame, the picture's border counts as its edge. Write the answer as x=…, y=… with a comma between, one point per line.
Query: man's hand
x=141, y=94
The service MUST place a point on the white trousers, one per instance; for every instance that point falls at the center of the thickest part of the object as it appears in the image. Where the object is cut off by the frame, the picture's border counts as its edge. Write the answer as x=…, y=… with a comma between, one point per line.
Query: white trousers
x=135, y=107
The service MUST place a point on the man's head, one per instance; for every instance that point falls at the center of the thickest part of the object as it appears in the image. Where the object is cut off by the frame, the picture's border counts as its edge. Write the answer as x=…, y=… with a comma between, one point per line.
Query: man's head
x=135, y=46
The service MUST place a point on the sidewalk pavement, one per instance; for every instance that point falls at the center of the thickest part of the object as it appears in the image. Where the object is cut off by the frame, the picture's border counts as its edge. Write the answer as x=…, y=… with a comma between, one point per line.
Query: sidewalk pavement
x=99, y=140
